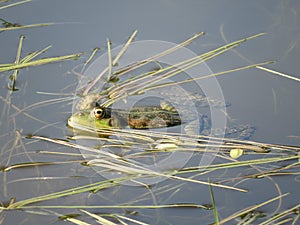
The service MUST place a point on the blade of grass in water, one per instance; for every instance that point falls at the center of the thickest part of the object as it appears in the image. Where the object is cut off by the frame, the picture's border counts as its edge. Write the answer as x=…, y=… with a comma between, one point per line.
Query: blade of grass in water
x=14, y=75
x=258, y=67
x=192, y=140
x=179, y=205
x=87, y=188
x=25, y=26
x=95, y=50
x=77, y=221
x=38, y=62
x=249, y=209
x=14, y=4
x=135, y=169
x=109, y=60
x=68, y=192
x=99, y=219
x=131, y=167
x=118, y=217
x=238, y=164
x=114, y=63
x=151, y=59
x=123, y=50
x=278, y=73
x=205, y=76
x=33, y=164
x=184, y=65
x=278, y=216
x=141, y=63
x=201, y=57
x=214, y=205
x=72, y=145
x=34, y=54
x=5, y=23
x=28, y=61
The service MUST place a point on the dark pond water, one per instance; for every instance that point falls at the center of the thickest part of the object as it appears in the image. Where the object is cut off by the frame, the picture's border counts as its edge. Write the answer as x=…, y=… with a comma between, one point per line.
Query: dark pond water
x=43, y=103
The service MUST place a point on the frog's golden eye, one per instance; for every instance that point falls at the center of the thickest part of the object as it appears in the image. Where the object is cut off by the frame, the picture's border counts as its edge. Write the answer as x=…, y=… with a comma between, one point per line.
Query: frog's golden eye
x=98, y=113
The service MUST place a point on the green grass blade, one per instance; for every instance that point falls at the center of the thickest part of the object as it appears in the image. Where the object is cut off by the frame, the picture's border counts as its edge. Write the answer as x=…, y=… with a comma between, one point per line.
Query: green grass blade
x=39, y=62
x=14, y=75
x=280, y=215
x=77, y=221
x=34, y=54
x=214, y=204
x=109, y=60
x=95, y=50
x=123, y=50
x=14, y=4
x=25, y=26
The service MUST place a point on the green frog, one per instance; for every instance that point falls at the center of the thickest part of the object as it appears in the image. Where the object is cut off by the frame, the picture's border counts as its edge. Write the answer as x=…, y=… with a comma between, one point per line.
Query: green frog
x=140, y=117
x=93, y=116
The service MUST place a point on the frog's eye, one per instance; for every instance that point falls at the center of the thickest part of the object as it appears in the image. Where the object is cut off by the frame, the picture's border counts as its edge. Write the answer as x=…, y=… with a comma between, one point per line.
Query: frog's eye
x=98, y=113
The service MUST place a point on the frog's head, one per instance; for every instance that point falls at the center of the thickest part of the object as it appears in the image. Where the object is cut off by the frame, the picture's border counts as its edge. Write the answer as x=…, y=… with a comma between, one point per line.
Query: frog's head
x=96, y=118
